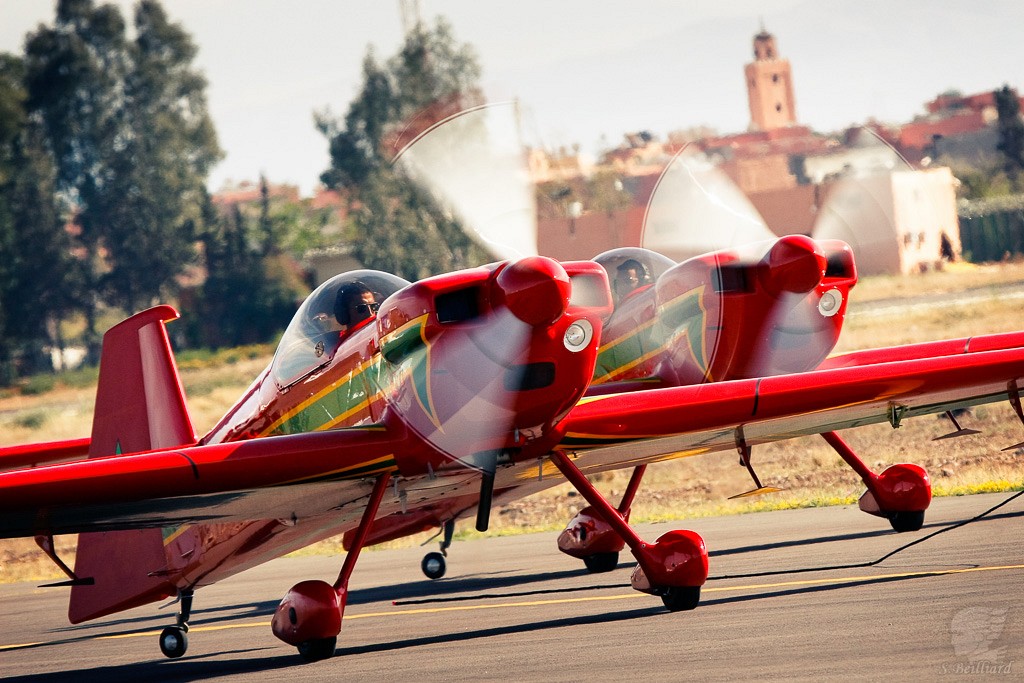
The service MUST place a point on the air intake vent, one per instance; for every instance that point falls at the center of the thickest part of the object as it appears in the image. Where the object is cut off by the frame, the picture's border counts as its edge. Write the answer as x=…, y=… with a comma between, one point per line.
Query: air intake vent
x=457, y=306
x=839, y=265
x=729, y=278
x=530, y=376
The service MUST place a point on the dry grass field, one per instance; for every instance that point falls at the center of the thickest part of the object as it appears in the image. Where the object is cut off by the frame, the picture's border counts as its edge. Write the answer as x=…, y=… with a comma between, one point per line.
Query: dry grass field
x=959, y=302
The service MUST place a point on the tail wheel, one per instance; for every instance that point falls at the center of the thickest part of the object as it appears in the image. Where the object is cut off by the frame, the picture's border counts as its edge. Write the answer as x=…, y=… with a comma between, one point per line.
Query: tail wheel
x=173, y=642
x=433, y=565
x=598, y=563
x=681, y=598
x=320, y=648
x=907, y=521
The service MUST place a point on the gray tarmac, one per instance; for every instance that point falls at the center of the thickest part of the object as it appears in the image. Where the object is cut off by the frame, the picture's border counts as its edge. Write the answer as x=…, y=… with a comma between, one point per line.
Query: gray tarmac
x=793, y=595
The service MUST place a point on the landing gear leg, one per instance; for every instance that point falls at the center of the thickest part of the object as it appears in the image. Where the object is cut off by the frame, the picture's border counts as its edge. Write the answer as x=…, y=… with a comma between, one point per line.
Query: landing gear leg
x=901, y=493
x=434, y=564
x=309, y=616
x=674, y=567
x=174, y=639
x=588, y=537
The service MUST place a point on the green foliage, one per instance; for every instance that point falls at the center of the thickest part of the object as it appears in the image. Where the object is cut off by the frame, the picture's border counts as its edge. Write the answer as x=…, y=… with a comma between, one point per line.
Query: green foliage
x=400, y=230
x=12, y=122
x=396, y=226
x=38, y=384
x=105, y=144
x=1011, y=133
x=201, y=359
x=978, y=180
x=85, y=376
x=131, y=141
x=36, y=271
x=160, y=168
x=33, y=420
x=251, y=289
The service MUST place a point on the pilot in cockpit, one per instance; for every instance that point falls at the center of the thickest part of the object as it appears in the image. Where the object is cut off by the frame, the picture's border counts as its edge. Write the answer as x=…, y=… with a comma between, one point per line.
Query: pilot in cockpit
x=630, y=276
x=354, y=304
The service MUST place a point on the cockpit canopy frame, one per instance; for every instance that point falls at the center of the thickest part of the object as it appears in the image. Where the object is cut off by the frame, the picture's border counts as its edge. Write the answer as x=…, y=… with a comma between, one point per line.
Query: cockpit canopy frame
x=317, y=328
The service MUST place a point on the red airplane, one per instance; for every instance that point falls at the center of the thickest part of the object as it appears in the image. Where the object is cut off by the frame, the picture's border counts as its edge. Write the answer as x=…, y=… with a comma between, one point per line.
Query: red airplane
x=391, y=408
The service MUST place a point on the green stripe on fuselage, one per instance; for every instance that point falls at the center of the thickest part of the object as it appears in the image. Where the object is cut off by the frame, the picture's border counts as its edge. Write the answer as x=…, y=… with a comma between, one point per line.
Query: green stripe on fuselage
x=681, y=317
x=331, y=406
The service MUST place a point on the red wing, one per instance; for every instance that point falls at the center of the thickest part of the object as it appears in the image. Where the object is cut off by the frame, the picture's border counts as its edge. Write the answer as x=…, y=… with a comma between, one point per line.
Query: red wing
x=35, y=454
x=626, y=429
x=270, y=478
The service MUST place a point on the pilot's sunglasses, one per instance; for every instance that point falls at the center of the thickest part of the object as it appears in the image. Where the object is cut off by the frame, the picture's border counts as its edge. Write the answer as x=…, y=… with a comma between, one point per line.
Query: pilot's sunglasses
x=367, y=308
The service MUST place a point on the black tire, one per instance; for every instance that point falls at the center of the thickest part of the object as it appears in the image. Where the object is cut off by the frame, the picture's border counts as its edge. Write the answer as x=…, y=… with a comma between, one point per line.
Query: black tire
x=316, y=650
x=173, y=642
x=681, y=598
x=434, y=565
x=907, y=521
x=599, y=563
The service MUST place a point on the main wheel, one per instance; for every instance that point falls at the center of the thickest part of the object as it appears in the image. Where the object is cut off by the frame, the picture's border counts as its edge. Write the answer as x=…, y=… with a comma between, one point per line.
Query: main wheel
x=433, y=565
x=907, y=521
x=681, y=598
x=598, y=563
x=173, y=642
x=320, y=648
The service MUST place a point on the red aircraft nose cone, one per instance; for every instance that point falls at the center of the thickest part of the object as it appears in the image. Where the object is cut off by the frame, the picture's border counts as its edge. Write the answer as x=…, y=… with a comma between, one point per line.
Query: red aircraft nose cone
x=795, y=264
x=536, y=289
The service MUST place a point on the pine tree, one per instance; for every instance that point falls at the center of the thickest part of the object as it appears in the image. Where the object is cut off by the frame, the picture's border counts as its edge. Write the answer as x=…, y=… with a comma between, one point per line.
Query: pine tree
x=396, y=226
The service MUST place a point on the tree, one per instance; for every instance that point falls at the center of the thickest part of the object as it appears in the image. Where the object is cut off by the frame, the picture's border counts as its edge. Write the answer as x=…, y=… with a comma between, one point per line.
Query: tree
x=160, y=169
x=12, y=122
x=248, y=295
x=1011, y=133
x=396, y=226
x=355, y=149
x=74, y=79
x=36, y=270
x=128, y=128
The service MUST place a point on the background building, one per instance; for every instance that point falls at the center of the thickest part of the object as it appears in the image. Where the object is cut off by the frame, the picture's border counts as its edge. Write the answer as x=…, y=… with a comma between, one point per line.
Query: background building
x=855, y=186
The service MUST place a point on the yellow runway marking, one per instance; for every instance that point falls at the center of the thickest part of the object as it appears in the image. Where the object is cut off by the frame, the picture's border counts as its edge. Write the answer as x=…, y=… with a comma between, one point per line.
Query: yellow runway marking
x=563, y=601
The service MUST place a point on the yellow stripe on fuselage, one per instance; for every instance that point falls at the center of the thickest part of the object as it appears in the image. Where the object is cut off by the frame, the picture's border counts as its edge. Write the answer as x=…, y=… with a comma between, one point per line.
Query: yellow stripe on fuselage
x=333, y=386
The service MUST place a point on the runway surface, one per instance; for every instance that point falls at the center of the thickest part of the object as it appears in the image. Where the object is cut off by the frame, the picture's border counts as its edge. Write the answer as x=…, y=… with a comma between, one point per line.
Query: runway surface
x=516, y=609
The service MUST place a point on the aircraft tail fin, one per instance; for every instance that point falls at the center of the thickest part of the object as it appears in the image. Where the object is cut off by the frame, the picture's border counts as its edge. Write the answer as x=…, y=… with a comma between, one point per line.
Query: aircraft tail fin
x=140, y=406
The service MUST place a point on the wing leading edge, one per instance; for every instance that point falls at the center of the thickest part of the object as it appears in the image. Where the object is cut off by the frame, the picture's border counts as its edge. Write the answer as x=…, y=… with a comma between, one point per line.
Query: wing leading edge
x=622, y=430
x=239, y=480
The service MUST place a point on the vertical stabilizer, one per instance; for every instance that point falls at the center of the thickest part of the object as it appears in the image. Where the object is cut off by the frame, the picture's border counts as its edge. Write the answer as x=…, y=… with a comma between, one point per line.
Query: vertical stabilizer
x=140, y=406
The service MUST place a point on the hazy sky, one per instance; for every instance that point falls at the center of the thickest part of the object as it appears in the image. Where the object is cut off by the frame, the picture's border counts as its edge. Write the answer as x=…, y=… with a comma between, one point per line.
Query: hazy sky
x=585, y=71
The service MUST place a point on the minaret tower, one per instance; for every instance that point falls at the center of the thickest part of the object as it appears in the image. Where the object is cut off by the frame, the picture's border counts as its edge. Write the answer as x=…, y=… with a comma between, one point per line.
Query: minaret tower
x=769, y=86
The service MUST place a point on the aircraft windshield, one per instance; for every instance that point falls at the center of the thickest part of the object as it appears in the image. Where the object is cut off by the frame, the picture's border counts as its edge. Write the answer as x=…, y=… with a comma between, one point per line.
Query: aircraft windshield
x=630, y=268
x=325, y=317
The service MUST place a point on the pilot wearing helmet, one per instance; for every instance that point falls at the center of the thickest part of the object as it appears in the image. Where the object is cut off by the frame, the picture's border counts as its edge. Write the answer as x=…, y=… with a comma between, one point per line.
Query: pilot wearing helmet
x=354, y=304
x=630, y=276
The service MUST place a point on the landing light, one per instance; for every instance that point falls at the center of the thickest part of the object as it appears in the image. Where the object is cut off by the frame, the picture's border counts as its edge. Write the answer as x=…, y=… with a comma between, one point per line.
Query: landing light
x=830, y=302
x=578, y=335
